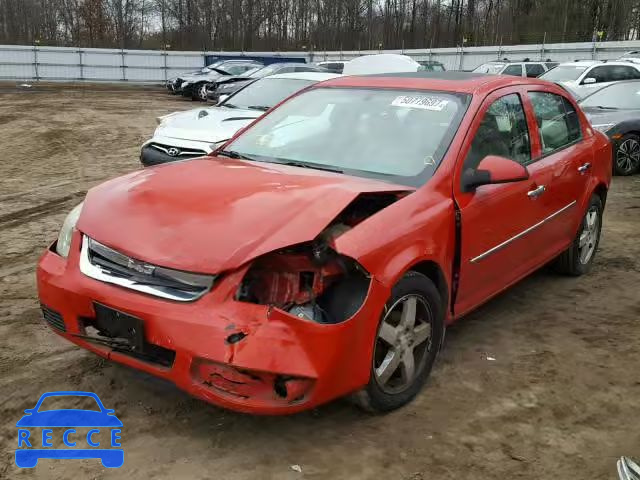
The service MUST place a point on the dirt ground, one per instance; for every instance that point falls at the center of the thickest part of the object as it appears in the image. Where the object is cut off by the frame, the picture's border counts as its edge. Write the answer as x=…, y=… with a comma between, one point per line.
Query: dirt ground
x=559, y=401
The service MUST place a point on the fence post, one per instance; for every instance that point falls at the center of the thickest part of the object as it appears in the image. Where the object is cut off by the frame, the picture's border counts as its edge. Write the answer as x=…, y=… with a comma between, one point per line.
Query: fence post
x=165, y=66
x=80, y=64
x=124, y=65
x=35, y=61
x=461, y=58
x=544, y=41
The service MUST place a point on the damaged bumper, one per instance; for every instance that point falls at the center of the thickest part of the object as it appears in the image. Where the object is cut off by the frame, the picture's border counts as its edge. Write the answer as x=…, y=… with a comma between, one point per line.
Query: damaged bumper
x=241, y=356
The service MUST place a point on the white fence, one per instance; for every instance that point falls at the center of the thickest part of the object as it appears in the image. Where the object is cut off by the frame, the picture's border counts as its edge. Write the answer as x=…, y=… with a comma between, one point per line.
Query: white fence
x=153, y=66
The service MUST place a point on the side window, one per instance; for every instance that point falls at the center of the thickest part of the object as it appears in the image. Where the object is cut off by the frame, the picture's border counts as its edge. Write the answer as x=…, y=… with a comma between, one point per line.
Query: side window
x=503, y=132
x=557, y=120
x=622, y=72
x=534, y=69
x=513, y=70
x=573, y=121
x=601, y=74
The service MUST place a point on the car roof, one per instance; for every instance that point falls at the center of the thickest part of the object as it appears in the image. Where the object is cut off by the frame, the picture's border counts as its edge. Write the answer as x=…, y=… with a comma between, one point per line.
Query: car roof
x=288, y=64
x=313, y=76
x=580, y=63
x=450, y=81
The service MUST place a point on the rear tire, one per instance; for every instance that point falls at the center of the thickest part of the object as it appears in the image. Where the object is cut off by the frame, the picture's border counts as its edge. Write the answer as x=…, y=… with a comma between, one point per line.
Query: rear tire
x=627, y=155
x=578, y=258
x=409, y=336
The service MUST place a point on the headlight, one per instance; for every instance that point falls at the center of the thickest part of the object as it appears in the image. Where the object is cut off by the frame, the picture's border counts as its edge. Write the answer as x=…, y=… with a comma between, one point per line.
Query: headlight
x=66, y=232
x=604, y=127
x=184, y=84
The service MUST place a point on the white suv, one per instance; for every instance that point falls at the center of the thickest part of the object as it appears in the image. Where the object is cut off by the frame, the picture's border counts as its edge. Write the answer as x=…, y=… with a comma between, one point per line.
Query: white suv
x=525, y=68
x=586, y=76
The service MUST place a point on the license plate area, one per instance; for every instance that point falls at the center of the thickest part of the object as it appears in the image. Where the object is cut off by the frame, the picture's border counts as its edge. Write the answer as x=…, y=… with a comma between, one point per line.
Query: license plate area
x=118, y=327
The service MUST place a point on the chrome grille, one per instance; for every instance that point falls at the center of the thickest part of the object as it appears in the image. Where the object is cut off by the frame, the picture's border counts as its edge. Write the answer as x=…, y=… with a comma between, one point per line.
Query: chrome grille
x=178, y=151
x=108, y=265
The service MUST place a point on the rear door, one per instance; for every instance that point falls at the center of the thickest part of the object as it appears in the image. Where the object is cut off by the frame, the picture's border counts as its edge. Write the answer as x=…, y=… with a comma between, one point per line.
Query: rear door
x=568, y=148
x=500, y=240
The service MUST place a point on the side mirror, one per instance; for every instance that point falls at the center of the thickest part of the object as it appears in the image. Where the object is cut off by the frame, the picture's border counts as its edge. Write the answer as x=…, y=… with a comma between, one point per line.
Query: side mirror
x=222, y=98
x=589, y=81
x=29, y=410
x=493, y=170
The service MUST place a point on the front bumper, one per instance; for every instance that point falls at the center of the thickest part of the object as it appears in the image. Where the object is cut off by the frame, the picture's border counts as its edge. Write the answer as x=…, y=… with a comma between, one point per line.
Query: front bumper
x=316, y=363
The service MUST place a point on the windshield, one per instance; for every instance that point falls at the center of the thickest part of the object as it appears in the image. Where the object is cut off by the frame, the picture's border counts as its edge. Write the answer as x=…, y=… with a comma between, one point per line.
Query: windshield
x=564, y=73
x=265, y=93
x=249, y=73
x=492, y=68
x=266, y=71
x=393, y=135
x=431, y=67
x=625, y=96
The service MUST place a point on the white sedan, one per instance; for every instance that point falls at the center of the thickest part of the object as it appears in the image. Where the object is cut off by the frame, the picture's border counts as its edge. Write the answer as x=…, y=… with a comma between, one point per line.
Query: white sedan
x=197, y=132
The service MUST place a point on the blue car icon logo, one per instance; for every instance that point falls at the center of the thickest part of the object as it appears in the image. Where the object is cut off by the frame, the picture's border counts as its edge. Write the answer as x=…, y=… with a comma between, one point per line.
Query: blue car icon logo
x=40, y=428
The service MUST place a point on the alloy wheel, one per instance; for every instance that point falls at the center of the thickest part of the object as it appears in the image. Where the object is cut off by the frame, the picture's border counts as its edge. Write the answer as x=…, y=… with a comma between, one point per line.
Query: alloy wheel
x=202, y=92
x=628, y=155
x=589, y=236
x=403, y=343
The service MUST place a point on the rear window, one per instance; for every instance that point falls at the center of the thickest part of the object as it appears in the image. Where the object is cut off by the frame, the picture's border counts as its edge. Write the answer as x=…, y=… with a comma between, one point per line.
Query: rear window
x=492, y=68
x=564, y=73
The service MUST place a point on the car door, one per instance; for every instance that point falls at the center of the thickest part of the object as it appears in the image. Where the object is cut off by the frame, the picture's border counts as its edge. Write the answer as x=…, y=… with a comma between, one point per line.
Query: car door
x=603, y=75
x=569, y=150
x=499, y=238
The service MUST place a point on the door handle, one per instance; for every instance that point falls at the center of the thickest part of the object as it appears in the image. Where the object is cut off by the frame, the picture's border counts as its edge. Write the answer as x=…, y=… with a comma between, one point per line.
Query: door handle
x=537, y=192
x=584, y=167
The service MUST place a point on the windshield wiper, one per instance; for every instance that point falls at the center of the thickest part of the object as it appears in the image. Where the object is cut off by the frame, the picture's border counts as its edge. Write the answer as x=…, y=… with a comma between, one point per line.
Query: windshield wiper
x=258, y=107
x=236, y=155
x=315, y=166
x=229, y=105
x=601, y=107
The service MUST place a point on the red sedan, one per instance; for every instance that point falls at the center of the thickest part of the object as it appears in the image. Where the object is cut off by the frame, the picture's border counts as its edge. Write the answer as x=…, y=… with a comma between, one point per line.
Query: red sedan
x=323, y=251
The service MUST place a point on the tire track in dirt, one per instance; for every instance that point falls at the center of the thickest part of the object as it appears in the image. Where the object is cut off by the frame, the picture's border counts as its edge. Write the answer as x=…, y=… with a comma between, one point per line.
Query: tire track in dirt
x=30, y=214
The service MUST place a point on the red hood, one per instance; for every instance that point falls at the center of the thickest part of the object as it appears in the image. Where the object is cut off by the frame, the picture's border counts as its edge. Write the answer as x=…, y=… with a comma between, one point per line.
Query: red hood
x=215, y=214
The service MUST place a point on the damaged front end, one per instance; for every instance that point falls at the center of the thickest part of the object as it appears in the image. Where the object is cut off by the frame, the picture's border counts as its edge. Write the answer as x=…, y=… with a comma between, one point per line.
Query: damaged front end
x=310, y=287
x=312, y=281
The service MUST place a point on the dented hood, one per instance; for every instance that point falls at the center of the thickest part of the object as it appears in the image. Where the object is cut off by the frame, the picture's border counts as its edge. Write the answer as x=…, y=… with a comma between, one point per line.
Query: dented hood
x=214, y=214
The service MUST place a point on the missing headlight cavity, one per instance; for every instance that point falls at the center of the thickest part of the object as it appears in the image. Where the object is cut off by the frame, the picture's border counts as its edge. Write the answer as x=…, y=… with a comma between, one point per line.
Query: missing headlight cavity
x=295, y=280
x=312, y=281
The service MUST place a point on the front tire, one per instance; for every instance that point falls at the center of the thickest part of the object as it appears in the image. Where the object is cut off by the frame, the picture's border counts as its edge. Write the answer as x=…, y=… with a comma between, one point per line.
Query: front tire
x=578, y=258
x=627, y=155
x=200, y=92
x=406, y=345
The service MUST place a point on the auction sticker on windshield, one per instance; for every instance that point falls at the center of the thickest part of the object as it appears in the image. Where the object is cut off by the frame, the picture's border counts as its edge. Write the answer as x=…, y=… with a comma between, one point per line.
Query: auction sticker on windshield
x=420, y=101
